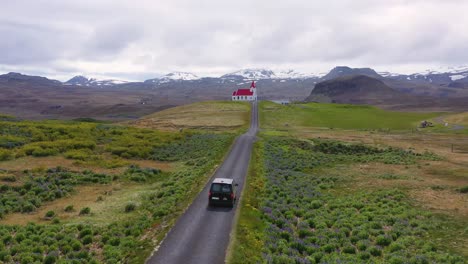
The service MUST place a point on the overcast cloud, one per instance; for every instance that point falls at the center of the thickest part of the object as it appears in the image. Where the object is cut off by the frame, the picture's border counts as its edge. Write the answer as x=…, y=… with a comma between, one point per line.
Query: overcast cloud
x=138, y=40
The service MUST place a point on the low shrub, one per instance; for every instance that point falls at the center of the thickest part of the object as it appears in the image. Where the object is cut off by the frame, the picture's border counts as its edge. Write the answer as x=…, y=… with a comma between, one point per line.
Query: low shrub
x=383, y=240
x=8, y=178
x=50, y=214
x=463, y=189
x=79, y=154
x=374, y=251
x=130, y=207
x=50, y=259
x=5, y=154
x=85, y=211
x=349, y=250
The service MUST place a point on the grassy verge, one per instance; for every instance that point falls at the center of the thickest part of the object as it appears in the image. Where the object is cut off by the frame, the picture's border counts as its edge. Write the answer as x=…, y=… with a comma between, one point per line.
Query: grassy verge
x=313, y=213
x=248, y=240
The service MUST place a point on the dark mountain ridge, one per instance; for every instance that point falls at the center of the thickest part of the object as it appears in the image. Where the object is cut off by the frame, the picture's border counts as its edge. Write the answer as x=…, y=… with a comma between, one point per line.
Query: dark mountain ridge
x=360, y=89
x=341, y=71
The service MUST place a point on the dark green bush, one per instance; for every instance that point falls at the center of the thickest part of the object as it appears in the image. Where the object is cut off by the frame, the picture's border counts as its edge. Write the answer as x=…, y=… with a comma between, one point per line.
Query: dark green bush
x=50, y=259
x=130, y=207
x=5, y=154
x=50, y=214
x=383, y=240
x=463, y=189
x=395, y=247
x=375, y=251
x=87, y=240
x=349, y=250
x=85, y=211
x=85, y=232
x=76, y=245
x=8, y=178
x=316, y=204
x=364, y=255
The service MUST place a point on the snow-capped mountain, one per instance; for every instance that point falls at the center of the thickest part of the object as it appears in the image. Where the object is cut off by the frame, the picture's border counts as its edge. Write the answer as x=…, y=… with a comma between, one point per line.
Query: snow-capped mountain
x=455, y=73
x=250, y=74
x=441, y=75
x=293, y=74
x=174, y=76
x=185, y=76
x=446, y=69
x=263, y=74
x=84, y=81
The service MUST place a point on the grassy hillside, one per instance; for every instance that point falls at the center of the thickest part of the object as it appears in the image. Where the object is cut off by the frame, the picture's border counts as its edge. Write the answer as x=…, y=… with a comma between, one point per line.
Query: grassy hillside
x=353, y=184
x=337, y=116
x=322, y=201
x=96, y=192
x=212, y=115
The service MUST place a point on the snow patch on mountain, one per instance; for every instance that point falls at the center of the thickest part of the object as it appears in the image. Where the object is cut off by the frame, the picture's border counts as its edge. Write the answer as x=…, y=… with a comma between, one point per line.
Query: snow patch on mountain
x=262, y=74
x=291, y=74
x=388, y=74
x=457, y=77
x=185, y=76
x=251, y=74
x=446, y=69
x=81, y=80
x=174, y=76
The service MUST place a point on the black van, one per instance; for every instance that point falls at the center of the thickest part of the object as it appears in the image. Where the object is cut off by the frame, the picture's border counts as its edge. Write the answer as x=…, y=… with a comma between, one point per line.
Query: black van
x=222, y=192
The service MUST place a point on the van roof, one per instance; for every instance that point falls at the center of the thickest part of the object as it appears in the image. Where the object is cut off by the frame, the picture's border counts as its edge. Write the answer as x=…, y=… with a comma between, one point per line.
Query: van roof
x=223, y=180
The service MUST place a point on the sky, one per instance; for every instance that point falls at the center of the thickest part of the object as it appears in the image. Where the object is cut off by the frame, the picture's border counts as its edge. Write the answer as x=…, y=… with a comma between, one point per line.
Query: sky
x=143, y=39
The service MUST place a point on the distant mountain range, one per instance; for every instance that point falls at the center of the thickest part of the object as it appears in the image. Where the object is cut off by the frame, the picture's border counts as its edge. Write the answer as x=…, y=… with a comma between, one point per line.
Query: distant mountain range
x=38, y=94
x=84, y=81
x=449, y=77
x=434, y=80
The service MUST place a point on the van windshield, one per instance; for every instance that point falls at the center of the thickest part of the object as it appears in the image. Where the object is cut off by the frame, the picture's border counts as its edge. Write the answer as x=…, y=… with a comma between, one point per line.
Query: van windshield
x=219, y=187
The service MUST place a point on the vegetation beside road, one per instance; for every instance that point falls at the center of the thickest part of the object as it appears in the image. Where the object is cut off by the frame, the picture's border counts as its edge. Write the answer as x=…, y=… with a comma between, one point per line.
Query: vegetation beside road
x=249, y=237
x=91, y=192
x=355, y=184
x=313, y=213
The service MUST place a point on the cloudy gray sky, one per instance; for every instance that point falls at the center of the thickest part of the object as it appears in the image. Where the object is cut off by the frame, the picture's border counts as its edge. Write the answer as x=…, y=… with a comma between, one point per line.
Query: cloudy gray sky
x=139, y=39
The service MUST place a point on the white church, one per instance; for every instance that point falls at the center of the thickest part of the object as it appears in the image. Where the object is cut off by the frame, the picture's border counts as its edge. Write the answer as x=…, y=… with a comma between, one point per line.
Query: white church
x=245, y=94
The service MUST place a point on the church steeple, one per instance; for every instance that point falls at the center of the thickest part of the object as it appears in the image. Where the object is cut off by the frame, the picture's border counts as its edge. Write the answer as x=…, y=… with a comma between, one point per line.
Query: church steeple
x=253, y=90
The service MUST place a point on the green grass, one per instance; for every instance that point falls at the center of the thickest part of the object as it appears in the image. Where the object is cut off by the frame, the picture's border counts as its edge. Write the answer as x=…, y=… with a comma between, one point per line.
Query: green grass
x=130, y=209
x=223, y=116
x=339, y=116
x=304, y=213
x=248, y=239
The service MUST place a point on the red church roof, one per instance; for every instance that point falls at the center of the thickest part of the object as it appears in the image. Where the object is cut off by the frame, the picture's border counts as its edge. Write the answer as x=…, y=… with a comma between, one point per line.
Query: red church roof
x=242, y=92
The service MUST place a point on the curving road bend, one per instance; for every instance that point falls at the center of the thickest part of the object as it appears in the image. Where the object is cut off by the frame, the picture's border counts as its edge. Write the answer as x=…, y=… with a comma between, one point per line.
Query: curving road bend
x=201, y=234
